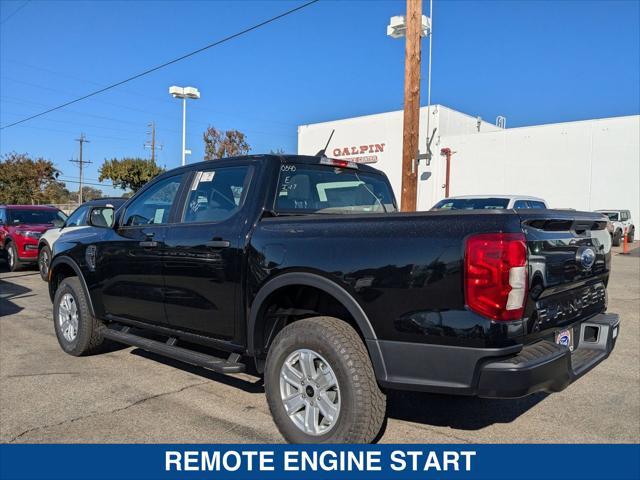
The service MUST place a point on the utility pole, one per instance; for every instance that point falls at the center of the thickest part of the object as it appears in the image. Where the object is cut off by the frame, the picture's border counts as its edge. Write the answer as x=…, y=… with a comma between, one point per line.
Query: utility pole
x=411, y=122
x=151, y=144
x=81, y=163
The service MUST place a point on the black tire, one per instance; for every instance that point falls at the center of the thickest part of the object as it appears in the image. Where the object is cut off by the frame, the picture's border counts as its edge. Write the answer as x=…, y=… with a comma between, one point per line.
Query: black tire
x=617, y=238
x=44, y=260
x=630, y=236
x=89, y=336
x=362, y=403
x=13, y=261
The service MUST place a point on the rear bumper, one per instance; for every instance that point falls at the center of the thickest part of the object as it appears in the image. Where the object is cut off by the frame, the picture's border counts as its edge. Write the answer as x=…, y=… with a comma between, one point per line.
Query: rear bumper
x=494, y=373
x=545, y=366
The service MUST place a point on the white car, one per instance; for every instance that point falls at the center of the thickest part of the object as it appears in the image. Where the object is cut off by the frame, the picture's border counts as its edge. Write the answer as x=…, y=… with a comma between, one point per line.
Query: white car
x=485, y=202
x=621, y=225
x=76, y=221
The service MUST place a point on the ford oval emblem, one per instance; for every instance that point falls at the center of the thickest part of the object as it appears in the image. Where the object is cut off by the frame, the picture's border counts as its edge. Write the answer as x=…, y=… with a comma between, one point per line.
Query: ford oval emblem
x=587, y=258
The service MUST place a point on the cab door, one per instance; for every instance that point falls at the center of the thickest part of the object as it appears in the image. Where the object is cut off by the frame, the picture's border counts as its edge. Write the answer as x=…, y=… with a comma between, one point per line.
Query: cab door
x=130, y=261
x=202, y=264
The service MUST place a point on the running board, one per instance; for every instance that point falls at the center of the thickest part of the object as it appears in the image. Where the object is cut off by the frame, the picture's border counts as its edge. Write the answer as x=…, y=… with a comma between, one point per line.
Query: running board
x=168, y=349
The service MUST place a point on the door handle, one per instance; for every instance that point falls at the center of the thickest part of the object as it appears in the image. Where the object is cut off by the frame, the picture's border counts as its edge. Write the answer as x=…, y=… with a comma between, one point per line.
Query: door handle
x=148, y=244
x=218, y=243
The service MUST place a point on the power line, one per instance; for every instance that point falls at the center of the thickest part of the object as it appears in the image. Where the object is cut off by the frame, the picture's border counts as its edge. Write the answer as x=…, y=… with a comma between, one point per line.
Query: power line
x=5, y=20
x=166, y=64
x=103, y=184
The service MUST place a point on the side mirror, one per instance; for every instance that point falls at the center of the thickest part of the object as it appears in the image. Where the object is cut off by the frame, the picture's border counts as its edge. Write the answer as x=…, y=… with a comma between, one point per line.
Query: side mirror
x=101, y=217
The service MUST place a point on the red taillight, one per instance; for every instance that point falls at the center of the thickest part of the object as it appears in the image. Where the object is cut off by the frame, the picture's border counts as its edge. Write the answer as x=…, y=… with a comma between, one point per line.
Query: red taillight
x=496, y=275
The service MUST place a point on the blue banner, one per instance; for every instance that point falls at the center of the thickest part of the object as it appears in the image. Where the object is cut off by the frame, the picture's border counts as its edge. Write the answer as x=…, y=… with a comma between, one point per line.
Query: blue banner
x=326, y=462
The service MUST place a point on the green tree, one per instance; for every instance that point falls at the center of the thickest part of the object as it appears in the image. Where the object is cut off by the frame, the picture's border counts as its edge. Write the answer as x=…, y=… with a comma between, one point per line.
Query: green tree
x=129, y=173
x=88, y=193
x=218, y=144
x=57, y=192
x=24, y=180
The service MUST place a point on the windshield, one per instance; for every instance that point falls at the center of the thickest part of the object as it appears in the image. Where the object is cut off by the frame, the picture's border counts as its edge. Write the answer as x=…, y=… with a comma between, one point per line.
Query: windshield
x=34, y=217
x=613, y=216
x=320, y=189
x=471, y=204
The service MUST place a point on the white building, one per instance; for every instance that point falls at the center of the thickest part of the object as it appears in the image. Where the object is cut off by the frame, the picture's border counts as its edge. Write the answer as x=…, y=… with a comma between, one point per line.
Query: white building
x=586, y=165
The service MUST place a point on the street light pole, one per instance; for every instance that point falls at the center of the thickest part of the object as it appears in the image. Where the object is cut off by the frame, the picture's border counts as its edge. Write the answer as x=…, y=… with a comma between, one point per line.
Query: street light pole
x=184, y=93
x=184, y=131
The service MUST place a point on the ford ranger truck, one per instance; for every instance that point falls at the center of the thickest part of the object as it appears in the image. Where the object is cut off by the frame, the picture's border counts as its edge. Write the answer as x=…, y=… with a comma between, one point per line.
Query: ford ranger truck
x=302, y=268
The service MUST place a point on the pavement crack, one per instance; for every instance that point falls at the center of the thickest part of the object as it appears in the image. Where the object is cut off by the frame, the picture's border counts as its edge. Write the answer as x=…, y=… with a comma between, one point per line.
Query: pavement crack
x=94, y=414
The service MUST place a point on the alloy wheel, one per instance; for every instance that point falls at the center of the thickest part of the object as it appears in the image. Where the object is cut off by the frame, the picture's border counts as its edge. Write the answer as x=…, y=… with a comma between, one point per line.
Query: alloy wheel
x=68, y=317
x=310, y=392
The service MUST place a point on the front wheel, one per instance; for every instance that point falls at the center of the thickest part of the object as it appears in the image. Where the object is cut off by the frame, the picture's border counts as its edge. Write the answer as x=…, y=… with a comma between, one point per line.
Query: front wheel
x=12, y=257
x=79, y=332
x=44, y=261
x=320, y=384
x=617, y=237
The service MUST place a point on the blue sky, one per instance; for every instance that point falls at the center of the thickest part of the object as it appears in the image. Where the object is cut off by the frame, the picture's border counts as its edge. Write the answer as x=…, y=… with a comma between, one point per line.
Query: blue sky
x=532, y=61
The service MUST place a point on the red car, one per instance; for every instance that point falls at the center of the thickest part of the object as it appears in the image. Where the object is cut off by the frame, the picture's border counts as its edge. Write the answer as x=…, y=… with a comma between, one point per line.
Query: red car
x=20, y=228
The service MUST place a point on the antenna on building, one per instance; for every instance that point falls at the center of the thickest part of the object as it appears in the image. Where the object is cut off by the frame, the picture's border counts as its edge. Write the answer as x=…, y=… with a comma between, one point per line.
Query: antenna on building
x=501, y=121
x=323, y=152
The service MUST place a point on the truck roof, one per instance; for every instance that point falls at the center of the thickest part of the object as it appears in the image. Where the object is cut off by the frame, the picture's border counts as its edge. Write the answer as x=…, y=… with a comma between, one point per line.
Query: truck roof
x=285, y=158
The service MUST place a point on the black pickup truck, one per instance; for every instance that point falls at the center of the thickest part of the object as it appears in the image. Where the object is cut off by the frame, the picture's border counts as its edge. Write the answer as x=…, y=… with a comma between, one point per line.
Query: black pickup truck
x=303, y=267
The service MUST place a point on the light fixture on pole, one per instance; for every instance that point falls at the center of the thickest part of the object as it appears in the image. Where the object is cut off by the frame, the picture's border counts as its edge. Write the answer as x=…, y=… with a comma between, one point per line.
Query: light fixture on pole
x=184, y=93
x=397, y=27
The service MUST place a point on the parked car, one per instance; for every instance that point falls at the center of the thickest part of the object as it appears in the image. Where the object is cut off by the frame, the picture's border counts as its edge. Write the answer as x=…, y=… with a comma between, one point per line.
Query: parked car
x=489, y=202
x=77, y=220
x=303, y=266
x=621, y=225
x=20, y=229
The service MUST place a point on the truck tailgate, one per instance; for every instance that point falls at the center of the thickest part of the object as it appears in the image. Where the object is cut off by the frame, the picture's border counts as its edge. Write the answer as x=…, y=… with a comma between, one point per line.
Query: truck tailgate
x=569, y=256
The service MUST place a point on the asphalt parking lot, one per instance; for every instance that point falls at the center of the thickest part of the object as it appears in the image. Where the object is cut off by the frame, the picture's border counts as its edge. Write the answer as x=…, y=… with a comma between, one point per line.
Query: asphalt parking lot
x=127, y=395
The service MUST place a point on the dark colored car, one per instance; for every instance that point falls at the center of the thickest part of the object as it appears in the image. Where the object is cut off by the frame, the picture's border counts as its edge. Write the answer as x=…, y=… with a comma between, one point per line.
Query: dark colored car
x=77, y=220
x=21, y=226
x=303, y=266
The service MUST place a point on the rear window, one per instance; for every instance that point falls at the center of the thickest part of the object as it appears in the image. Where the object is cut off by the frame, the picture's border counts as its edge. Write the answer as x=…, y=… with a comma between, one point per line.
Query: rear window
x=34, y=217
x=321, y=189
x=471, y=204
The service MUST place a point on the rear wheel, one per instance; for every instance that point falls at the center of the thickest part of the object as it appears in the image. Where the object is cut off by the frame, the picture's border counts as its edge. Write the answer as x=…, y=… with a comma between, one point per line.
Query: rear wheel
x=320, y=384
x=12, y=257
x=44, y=260
x=630, y=236
x=78, y=332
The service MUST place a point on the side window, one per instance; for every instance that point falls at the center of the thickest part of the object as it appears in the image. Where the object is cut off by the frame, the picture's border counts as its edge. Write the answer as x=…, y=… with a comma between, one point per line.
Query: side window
x=520, y=204
x=215, y=195
x=624, y=216
x=536, y=204
x=77, y=218
x=153, y=206
x=3, y=216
